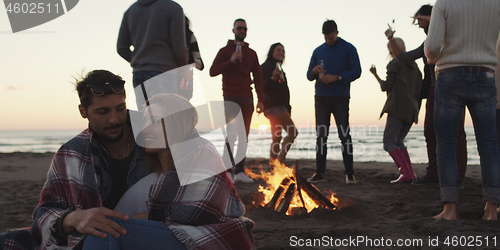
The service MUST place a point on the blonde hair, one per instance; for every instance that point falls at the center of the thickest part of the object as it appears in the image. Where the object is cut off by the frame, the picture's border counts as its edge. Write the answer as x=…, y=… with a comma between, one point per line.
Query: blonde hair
x=180, y=118
x=399, y=42
x=180, y=115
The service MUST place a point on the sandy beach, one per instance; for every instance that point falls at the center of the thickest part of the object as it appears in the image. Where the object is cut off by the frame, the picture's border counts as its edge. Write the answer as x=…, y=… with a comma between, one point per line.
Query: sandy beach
x=371, y=213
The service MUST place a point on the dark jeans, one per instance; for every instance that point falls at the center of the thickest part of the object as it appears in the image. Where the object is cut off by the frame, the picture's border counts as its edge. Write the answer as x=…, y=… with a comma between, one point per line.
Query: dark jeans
x=431, y=141
x=2, y=239
x=247, y=108
x=498, y=127
x=477, y=91
x=324, y=108
x=138, y=78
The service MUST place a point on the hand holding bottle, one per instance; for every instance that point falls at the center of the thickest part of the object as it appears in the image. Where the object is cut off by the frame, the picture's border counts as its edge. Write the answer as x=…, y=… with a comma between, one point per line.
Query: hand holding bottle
x=237, y=55
x=276, y=74
x=319, y=70
x=389, y=33
x=322, y=69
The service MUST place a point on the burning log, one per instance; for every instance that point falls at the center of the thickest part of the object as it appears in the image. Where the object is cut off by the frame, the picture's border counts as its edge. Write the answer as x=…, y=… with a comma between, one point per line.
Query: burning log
x=296, y=171
x=285, y=202
x=298, y=211
x=314, y=193
x=284, y=199
x=278, y=193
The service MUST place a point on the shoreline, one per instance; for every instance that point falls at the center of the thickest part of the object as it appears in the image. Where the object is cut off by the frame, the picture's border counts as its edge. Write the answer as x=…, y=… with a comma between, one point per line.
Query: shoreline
x=34, y=166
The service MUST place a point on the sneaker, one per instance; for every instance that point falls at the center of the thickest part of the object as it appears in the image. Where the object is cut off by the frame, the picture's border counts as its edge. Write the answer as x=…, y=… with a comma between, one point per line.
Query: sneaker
x=424, y=181
x=230, y=177
x=316, y=178
x=349, y=179
x=242, y=177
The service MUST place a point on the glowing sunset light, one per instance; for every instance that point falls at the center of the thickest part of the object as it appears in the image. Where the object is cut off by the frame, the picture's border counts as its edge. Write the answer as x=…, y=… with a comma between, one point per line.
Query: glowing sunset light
x=262, y=126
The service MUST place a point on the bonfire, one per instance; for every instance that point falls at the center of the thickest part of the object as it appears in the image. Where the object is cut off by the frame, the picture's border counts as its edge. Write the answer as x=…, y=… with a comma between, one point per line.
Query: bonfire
x=286, y=191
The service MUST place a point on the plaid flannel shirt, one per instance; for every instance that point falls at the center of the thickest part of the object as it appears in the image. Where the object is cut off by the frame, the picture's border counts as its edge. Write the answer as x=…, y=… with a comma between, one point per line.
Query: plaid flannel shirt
x=205, y=214
x=78, y=178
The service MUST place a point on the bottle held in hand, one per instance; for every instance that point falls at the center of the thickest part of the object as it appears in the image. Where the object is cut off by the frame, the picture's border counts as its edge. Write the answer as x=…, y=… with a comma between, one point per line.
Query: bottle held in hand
x=238, y=49
x=282, y=75
x=390, y=32
x=322, y=72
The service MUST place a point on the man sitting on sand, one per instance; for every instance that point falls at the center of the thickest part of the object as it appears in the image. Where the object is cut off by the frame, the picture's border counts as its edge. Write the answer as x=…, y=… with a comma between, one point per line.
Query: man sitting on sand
x=89, y=174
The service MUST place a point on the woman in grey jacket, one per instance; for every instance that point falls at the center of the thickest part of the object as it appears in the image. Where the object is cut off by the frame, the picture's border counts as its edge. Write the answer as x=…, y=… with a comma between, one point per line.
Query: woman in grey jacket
x=403, y=86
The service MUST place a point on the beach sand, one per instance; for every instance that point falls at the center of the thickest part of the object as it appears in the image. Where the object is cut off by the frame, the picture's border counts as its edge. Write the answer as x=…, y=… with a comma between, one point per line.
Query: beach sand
x=373, y=209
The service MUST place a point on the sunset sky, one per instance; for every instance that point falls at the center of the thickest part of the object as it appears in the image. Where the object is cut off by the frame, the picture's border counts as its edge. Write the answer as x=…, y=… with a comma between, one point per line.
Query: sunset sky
x=38, y=65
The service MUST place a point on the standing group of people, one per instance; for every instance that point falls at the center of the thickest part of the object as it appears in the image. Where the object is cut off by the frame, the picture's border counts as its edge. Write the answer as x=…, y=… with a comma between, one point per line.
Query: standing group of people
x=334, y=65
x=460, y=48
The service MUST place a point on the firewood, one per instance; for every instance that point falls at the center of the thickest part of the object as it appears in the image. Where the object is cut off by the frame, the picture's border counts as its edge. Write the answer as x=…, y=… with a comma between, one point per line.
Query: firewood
x=314, y=193
x=285, y=202
x=298, y=211
x=278, y=193
x=296, y=171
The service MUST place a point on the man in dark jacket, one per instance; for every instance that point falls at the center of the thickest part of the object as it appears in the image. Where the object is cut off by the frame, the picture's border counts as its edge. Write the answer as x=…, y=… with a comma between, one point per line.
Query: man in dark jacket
x=334, y=65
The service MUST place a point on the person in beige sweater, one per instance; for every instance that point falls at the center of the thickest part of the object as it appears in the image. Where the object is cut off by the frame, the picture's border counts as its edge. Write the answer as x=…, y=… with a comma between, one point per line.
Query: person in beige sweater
x=461, y=41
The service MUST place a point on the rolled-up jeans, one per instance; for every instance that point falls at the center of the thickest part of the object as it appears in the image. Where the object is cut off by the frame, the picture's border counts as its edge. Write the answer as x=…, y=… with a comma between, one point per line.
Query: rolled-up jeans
x=477, y=91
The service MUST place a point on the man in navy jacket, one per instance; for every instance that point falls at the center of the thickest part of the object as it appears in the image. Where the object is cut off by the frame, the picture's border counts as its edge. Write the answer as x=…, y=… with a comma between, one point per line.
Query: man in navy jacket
x=334, y=65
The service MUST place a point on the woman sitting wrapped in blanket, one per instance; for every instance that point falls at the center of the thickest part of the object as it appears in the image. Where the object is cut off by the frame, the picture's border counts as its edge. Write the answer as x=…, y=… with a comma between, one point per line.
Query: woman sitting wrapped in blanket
x=189, y=201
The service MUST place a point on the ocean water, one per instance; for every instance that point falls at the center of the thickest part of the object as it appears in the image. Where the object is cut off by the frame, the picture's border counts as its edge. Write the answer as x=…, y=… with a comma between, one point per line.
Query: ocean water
x=367, y=143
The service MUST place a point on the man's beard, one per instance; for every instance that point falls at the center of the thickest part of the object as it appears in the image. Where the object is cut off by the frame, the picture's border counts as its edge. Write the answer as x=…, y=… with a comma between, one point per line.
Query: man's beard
x=237, y=38
x=108, y=139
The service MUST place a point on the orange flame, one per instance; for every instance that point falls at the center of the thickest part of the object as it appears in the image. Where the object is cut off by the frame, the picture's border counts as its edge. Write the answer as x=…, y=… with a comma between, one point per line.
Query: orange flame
x=273, y=180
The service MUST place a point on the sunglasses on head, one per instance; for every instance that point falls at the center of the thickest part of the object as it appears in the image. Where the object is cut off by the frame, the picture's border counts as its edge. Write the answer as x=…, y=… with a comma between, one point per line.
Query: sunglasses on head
x=241, y=28
x=99, y=89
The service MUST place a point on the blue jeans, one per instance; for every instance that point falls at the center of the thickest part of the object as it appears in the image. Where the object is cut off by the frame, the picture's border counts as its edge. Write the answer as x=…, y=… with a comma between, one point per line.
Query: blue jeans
x=477, y=91
x=498, y=128
x=339, y=107
x=247, y=108
x=141, y=234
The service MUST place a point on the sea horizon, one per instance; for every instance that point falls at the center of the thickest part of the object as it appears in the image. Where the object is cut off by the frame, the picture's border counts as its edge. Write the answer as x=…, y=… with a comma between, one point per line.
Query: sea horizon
x=367, y=143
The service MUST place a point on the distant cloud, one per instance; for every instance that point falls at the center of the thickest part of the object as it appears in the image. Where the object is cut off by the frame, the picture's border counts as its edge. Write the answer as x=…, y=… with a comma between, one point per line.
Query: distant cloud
x=16, y=88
